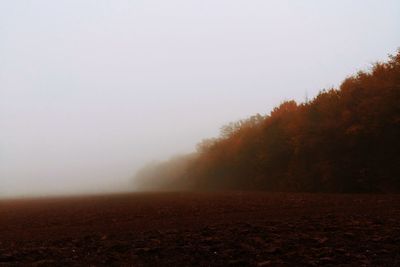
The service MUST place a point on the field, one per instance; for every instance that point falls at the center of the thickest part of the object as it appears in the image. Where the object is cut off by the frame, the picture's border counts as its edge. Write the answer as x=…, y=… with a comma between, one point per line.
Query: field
x=202, y=229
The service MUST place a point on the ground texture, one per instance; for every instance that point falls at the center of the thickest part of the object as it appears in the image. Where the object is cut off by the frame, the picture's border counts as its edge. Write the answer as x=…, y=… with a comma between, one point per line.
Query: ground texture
x=202, y=229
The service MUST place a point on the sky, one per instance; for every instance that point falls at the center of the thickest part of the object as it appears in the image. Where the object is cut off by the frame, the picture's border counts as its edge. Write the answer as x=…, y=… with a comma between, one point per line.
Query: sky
x=90, y=91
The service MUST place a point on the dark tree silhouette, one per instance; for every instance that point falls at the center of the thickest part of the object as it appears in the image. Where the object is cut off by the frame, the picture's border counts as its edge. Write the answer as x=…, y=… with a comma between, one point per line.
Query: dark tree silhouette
x=343, y=140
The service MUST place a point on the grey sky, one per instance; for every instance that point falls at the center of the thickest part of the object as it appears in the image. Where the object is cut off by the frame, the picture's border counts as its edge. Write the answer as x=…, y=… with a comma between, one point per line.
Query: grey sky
x=92, y=90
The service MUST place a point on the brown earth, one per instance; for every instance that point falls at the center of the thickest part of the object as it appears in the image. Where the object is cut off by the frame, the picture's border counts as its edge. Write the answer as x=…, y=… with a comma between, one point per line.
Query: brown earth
x=202, y=229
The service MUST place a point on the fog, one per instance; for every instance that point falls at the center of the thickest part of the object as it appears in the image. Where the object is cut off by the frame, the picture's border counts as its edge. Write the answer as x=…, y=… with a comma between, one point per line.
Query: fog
x=90, y=91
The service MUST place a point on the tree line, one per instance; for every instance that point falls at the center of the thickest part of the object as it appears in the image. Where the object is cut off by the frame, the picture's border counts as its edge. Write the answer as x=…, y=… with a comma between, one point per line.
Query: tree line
x=346, y=139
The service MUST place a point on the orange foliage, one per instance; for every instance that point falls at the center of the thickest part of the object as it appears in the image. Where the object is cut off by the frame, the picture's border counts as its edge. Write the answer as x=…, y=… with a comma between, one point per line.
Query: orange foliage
x=344, y=140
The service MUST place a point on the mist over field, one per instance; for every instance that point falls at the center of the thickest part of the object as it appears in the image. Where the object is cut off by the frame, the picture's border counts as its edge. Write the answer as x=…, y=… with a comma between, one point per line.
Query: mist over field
x=92, y=91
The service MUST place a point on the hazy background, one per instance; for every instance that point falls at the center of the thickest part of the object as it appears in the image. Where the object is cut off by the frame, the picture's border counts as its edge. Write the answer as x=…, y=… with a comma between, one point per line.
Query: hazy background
x=92, y=90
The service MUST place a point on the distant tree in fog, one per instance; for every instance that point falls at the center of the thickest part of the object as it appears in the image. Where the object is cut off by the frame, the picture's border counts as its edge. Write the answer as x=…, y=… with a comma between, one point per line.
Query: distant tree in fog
x=343, y=140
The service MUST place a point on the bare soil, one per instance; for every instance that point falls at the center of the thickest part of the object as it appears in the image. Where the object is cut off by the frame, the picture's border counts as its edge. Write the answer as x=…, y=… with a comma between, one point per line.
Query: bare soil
x=202, y=229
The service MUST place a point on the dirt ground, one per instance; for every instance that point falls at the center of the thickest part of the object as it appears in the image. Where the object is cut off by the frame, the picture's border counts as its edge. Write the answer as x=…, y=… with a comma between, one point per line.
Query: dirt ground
x=202, y=229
